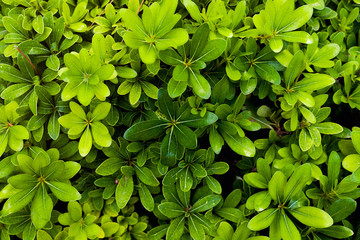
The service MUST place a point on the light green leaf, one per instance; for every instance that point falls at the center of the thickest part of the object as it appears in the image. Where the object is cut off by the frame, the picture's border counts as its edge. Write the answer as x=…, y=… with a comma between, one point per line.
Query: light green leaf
x=85, y=142
x=329, y=128
x=176, y=88
x=313, y=82
x=148, y=53
x=64, y=191
x=41, y=208
x=101, y=111
x=312, y=216
x=351, y=162
x=18, y=201
x=199, y=84
x=193, y=10
x=124, y=190
x=297, y=181
x=276, y=44
x=287, y=228
x=263, y=219
x=241, y=145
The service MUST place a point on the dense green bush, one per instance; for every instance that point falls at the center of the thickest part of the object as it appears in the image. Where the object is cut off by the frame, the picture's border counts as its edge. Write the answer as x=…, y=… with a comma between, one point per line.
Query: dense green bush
x=190, y=119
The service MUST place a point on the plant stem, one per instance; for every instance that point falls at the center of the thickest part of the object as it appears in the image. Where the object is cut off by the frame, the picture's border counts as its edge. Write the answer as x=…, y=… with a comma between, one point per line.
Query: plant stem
x=28, y=60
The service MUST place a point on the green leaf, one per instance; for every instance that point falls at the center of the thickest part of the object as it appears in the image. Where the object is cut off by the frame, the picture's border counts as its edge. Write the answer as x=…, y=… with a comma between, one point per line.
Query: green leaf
x=16, y=90
x=150, y=89
x=37, y=121
x=146, y=176
x=276, y=44
x=195, y=229
x=231, y=214
x=158, y=232
x=41, y=208
x=53, y=62
x=355, y=137
x=312, y=216
x=308, y=115
x=206, y=203
x=18, y=201
x=233, y=199
x=263, y=219
x=23, y=181
x=170, y=57
x=185, y=136
x=351, y=162
x=109, y=166
x=98, y=46
x=148, y=53
x=196, y=121
x=334, y=165
x=174, y=38
x=176, y=229
x=171, y=209
x=339, y=232
x=186, y=179
x=133, y=22
x=193, y=10
x=85, y=142
x=294, y=68
x=211, y=51
x=101, y=111
x=287, y=228
x=29, y=231
x=296, y=36
x=298, y=18
x=217, y=168
x=199, y=84
x=213, y=184
x=181, y=73
x=146, y=198
x=64, y=191
x=341, y=209
x=313, y=82
x=11, y=74
x=329, y=128
x=256, y=180
x=176, y=88
x=42, y=235
x=305, y=140
x=169, y=149
x=199, y=40
x=135, y=93
x=124, y=190
x=277, y=186
x=75, y=211
x=32, y=47
x=166, y=104
x=146, y=130
x=297, y=181
x=241, y=145
x=267, y=72
x=53, y=126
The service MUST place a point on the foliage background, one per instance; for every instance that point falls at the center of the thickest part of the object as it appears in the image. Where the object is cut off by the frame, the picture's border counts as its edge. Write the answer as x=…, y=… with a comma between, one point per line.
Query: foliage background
x=191, y=119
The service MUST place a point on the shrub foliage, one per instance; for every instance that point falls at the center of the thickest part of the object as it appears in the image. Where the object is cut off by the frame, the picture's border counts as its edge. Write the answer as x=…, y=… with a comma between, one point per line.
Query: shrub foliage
x=176, y=120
